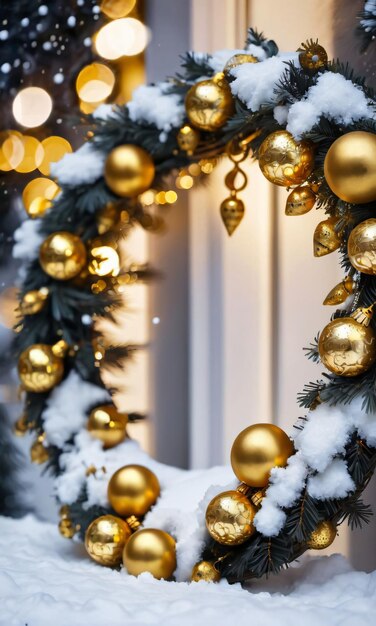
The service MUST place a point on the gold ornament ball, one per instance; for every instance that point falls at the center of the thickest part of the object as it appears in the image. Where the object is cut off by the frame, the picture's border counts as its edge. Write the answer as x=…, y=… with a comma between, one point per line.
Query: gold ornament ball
x=150, y=550
x=108, y=425
x=62, y=255
x=236, y=60
x=34, y=301
x=39, y=453
x=340, y=292
x=284, y=161
x=205, y=570
x=209, y=103
x=105, y=539
x=229, y=518
x=67, y=528
x=132, y=490
x=350, y=167
x=300, y=201
x=256, y=450
x=232, y=212
x=129, y=171
x=39, y=369
x=361, y=247
x=323, y=536
x=188, y=139
x=326, y=239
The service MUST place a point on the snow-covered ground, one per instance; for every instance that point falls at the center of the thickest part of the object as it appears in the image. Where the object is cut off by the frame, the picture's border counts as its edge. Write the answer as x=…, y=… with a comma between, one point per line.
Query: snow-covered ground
x=46, y=580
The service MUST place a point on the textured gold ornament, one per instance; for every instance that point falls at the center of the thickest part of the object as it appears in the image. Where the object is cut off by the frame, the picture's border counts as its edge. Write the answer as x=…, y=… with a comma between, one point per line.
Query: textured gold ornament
x=205, y=570
x=66, y=528
x=256, y=450
x=300, y=201
x=326, y=239
x=284, y=161
x=62, y=255
x=350, y=167
x=105, y=539
x=347, y=345
x=229, y=518
x=209, y=103
x=188, y=139
x=323, y=536
x=108, y=425
x=39, y=369
x=312, y=56
x=232, y=213
x=150, y=550
x=38, y=452
x=361, y=247
x=232, y=208
x=236, y=60
x=34, y=301
x=132, y=490
x=129, y=170
x=340, y=292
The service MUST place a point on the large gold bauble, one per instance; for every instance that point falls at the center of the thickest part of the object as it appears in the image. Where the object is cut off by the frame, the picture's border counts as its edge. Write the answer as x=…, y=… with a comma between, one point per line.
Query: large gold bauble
x=323, y=536
x=350, y=167
x=105, y=539
x=326, y=239
x=361, y=247
x=256, y=450
x=284, y=161
x=205, y=570
x=188, y=139
x=62, y=255
x=39, y=369
x=34, y=301
x=229, y=518
x=209, y=103
x=108, y=425
x=300, y=201
x=232, y=212
x=236, y=60
x=129, y=170
x=150, y=550
x=132, y=490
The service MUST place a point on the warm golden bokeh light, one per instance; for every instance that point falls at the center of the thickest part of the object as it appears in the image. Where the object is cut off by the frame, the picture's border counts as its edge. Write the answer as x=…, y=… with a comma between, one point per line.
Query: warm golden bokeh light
x=11, y=149
x=32, y=107
x=117, y=8
x=104, y=261
x=37, y=196
x=54, y=149
x=95, y=83
x=124, y=37
x=33, y=155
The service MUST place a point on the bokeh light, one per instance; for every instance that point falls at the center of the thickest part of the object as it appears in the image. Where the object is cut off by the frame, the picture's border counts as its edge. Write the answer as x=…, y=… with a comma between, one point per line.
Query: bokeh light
x=95, y=83
x=11, y=150
x=117, y=8
x=32, y=107
x=54, y=149
x=37, y=196
x=124, y=37
x=33, y=155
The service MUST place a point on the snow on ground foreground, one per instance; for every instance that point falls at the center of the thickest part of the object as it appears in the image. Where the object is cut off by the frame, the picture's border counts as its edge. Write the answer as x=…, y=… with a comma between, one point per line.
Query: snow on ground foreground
x=45, y=580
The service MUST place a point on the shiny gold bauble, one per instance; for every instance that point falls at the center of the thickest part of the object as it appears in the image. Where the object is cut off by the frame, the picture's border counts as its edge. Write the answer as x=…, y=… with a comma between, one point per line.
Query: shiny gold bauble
x=108, y=425
x=340, y=292
x=300, y=201
x=326, y=239
x=62, y=255
x=229, y=518
x=132, y=490
x=38, y=452
x=284, y=161
x=232, y=213
x=105, y=539
x=323, y=536
x=236, y=60
x=361, y=247
x=129, y=170
x=256, y=450
x=205, y=570
x=34, y=301
x=39, y=369
x=67, y=528
x=209, y=103
x=150, y=550
x=350, y=167
x=188, y=139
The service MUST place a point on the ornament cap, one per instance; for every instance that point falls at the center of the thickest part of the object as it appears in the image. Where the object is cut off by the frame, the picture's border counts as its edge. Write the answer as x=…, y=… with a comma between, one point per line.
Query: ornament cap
x=363, y=315
x=133, y=522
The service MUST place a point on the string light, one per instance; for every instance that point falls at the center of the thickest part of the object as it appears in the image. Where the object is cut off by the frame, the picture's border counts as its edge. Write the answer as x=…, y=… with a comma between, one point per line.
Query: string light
x=32, y=107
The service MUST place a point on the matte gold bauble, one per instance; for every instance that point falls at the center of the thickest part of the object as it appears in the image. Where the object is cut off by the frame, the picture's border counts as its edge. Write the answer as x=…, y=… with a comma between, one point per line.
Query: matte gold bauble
x=67, y=528
x=108, y=425
x=132, y=490
x=62, y=255
x=361, y=247
x=350, y=167
x=209, y=103
x=326, y=239
x=256, y=450
x=229, y=518
x=150, y=550
x=205, y=570
x=340, y=292
x=39, y=369
x=188, y=139
x=105, y=539
x=284, y=161
x=323, y=536
x=38, y=452
x=300, y=201
x=236, y=60
x=34, y=301
x=129, y=170
x=232, y=213
x=347, y=345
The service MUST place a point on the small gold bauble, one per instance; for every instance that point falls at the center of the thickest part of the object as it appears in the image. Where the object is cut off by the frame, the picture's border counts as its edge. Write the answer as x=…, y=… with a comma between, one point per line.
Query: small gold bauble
x=67, y=528
x=284, y=161
x=229, y=518
x=62, y=255
x=350, y=167
x=38, y=452
x=105, y=539
x=323, y=536
x=21, y=426
x=347, y=346
x=300, y=201
x=209, y=103
x=132, y=490
x=205, y=570
x=340, y=292
x=256, y=450
x=129, y=170
x=188, y=139
x=236, y=60
x=34, y=301
x=108, y=425
x=39, y=369
x=312, y=56
x=361, y=247
x=232, y=213
x=326, y=239
x=150, y=550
